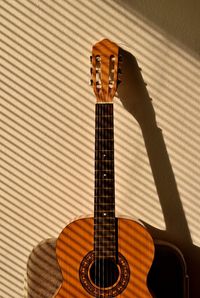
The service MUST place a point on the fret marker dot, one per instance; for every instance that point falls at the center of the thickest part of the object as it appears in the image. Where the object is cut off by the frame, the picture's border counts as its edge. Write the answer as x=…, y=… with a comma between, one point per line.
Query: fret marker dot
x=104, y=175
x=105, y=214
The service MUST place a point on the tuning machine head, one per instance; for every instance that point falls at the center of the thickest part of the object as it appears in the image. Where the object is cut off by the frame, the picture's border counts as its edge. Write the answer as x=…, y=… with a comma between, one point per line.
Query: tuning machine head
x=105, y=60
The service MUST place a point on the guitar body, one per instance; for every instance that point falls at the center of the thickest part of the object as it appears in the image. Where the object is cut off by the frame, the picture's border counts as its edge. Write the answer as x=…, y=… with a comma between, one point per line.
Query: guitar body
x=74, y=250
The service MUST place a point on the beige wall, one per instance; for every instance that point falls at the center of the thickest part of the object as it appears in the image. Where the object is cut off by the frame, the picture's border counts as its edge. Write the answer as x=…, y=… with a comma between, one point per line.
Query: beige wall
x=47, y=122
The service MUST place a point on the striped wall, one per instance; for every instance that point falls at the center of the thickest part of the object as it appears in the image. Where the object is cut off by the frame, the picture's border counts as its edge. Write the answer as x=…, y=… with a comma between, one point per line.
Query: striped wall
x=47, y=123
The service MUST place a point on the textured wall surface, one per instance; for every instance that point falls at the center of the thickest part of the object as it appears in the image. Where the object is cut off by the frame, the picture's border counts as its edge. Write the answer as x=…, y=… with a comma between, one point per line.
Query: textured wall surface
x=47, y=123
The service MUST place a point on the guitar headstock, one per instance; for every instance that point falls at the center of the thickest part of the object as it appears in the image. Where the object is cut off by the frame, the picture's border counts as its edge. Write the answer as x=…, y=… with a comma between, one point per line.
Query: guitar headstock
x=105, y=70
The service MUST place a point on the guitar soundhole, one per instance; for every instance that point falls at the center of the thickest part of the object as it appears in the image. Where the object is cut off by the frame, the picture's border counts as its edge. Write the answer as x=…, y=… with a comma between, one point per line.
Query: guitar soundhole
x=102, y=277
x=104, y=273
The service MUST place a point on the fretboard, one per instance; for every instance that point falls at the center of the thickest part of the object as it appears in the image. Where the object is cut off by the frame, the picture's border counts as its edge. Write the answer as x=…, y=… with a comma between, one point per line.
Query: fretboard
x=104, y=196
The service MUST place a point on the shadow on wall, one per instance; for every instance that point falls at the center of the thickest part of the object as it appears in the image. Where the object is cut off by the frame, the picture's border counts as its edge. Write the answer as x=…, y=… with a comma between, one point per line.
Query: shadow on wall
x=178, y=20
x=136, y=100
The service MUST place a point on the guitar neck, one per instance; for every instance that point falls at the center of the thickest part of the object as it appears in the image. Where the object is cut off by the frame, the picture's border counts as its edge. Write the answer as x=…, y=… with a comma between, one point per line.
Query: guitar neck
x=104, y=202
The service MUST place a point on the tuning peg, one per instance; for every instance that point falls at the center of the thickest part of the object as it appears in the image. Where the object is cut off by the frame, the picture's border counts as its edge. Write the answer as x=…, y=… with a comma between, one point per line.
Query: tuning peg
x=113, y=58
x=98, y=85
x=98, y=58
x=91, y=82
x=91, y=59
x=111, y=84
x=98, y=70
x=119, y=81
x=91, y=70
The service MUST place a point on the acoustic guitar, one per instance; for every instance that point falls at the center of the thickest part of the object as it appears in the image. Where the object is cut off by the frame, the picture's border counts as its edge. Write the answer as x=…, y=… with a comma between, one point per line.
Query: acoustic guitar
x=104, y=256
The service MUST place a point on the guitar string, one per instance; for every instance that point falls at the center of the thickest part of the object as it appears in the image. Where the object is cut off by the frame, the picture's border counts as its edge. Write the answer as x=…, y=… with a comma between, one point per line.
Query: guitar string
x=96, y=264
x=103, y=113
x=103, y=145
x=96, y=205
x=102, y=188
x=101, y=134
x=100, y=106
x=111, y=164
x=95, y=201
x=106, y=136
x=96, y=197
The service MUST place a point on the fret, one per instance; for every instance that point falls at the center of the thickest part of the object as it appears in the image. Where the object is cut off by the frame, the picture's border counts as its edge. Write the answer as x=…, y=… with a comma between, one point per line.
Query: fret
x=104, y=183
x=104, y=191
x=104, y=204
x=106, y=161
x=102, y=165
x=108, y=227
x=104, y=133
x=104, y=187
x=104, y=122
x=100, y=116
x=103, y=225
x=102, y=144
x=105, y=234
x=104, y=221
x=104, y=179
x=106, y=139
x=104, y=217
x=103, y=246
x=104, y=212
x=101, y=217
x=104, y=197
x=105, y=254
x=104, y=109
x=106, y=150
x=110, y=237
x=104, y=207
x=104, y=171
x=107, y=185
x=100, y=183
x=99, y=204
x=97, y=128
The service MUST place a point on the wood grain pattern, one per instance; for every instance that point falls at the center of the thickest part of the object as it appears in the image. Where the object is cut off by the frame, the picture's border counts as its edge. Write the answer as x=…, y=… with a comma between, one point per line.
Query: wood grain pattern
x=76, y=240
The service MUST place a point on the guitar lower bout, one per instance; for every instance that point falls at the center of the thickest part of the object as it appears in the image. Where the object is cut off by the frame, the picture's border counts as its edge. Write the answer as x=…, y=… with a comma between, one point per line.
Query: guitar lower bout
x=126, y=277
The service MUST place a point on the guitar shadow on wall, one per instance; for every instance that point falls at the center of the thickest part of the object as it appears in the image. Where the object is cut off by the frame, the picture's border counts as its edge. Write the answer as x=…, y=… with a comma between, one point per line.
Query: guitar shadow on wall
x=135, y=99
